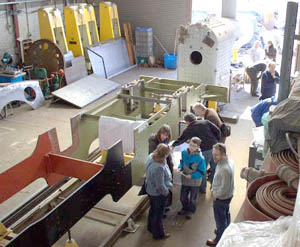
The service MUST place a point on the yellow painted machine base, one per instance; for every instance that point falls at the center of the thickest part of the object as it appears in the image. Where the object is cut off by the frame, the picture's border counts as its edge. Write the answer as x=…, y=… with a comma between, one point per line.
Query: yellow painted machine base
x=109, y=21
x=213, y=105
x=71, y=243
x=79, y=19
x=102, y=159
x=4, y=231
x=51, y=27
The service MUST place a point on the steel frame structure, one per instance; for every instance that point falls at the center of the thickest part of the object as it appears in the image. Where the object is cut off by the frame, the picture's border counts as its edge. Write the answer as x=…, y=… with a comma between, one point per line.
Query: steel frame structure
x=135, y=102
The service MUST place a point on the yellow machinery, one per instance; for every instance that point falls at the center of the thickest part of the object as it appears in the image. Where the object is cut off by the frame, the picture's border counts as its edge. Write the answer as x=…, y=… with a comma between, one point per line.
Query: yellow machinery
x=89, y=14
x=79, y=18
x=51, y=27
x=109, y=21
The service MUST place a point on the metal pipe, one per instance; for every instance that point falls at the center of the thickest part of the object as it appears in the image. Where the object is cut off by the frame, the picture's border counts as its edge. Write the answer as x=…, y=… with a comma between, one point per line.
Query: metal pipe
x=27, y=20
x=20, y=2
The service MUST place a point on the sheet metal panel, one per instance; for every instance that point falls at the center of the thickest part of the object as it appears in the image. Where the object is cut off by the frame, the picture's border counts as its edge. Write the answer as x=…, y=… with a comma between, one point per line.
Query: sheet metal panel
x=15, y=92
x=86, y=90
x=76, y=70
x=114, y=59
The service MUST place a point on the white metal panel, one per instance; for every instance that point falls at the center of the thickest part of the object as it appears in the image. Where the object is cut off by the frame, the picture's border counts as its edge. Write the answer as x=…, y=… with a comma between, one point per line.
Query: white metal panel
x=16, y=92
x=109, y=58
x=86, y=90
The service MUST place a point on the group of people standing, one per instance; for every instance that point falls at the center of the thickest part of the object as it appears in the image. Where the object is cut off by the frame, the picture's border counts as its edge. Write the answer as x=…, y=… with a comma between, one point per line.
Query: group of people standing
x=205, y=148
x=264, y=70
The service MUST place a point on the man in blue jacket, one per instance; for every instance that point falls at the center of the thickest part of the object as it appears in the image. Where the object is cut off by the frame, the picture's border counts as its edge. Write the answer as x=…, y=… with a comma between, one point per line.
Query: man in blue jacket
x=268, y=82
x=193, y=169
x=258, y=110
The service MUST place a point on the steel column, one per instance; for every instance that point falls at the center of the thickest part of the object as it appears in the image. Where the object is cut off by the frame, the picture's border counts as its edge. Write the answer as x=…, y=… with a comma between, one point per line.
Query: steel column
x=287, y=51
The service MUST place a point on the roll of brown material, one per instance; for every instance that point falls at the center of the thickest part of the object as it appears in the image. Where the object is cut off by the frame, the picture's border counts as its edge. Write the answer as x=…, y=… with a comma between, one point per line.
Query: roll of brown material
x=288, y=175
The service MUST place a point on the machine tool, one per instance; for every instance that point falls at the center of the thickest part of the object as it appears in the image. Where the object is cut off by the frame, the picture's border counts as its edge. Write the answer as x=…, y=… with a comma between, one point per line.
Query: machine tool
x=81, y=28
x=51, y=27
x=109, y=21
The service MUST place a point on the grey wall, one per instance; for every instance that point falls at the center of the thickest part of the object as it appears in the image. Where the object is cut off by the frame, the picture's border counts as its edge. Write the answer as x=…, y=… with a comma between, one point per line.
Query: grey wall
x=7, y=40
x=164, y=16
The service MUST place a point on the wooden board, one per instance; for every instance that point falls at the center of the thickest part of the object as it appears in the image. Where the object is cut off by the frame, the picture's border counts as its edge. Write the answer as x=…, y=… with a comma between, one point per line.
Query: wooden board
x=128, y=44
x=131, y=40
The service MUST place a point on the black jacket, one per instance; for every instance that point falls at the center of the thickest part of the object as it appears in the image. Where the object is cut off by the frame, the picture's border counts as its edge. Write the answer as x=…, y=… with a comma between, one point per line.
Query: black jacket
x=204, y=129
x=268, y=84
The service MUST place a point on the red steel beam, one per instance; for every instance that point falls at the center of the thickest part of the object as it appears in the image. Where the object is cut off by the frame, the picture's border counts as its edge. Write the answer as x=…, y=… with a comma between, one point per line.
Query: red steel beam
x=70, y=167
x=46, y=162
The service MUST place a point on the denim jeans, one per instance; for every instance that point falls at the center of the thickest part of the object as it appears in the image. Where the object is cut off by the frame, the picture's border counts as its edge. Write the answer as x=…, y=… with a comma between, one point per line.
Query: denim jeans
x=222, y=216
x=209, y=160
x=189, y=198
x=155, y=216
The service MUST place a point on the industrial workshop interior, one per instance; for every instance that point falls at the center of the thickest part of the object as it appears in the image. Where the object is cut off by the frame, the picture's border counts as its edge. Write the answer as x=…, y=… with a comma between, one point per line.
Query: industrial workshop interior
x=149, y=123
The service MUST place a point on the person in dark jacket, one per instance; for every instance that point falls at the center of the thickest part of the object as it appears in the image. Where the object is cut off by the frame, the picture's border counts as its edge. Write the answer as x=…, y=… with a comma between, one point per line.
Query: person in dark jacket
x=209, y=134
x=268, y=82
x=255, y=72
x=163, y=135
x=271, y=51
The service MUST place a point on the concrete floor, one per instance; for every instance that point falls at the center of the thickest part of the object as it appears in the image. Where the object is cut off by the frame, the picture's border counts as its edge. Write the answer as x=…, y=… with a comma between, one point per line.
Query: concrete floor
x=19, y=132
